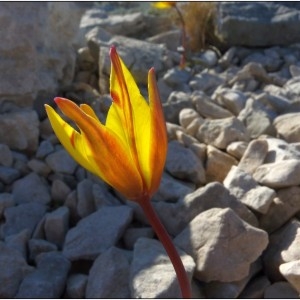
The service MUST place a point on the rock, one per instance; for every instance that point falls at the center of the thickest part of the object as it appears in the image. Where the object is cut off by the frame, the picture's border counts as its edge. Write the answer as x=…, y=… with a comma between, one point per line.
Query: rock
x=102, y=196
x=176, y=78
x=171, y=189
x=18, y=242
x=283, y=208
x=279, y=150
x=31, y=188
x=85, y=199
x=57, y=225
x=186, y=116
x=97, y=232
x=236, y=25
x=38, y=246
x=76, y=286
x=206, y=82
x=254, y=156
x=27, y=214
x=230, y=290
x=207, y=58
x=279, y=174
x=110, y=267
x=218, y=164
x=23, y=128
x=13, y=268
x=186, y=139
x=6, y=158
x=44, y=148
x=8, y=175
x=257, y=118
x=256, y=288
x=26, y=58
x=223, y=230
x=280, y=290
x=182, y=163
x=6, y=200
x=221, y=132
x=59, y=191
x=237, y=149
x=283, y=248
x=207, y=108
x=48, y=279
x=169, y=38
x=176, y=216
x=290, y=271
x=39, y=167
x=151, y=273
x=288, y=127
x=131, y=235
x=245, y=189
x=61, y=162
x=233, y=100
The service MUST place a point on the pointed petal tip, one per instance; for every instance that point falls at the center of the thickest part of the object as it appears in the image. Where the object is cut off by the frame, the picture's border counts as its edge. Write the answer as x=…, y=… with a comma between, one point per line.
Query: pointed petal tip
x=113, y=51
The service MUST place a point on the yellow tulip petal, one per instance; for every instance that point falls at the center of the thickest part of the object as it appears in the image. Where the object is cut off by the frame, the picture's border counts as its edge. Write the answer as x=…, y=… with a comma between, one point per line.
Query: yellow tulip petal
x=69, y=138
x=158, y=134
x=111, y=158
x=164, y=4
x=89, y=111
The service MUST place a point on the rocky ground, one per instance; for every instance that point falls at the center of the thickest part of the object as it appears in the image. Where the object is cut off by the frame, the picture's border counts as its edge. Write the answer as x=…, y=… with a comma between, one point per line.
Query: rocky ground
x=229, y=196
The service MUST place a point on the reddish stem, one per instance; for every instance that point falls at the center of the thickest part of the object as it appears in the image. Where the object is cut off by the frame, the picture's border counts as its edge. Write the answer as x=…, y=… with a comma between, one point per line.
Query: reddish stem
x=165, y=239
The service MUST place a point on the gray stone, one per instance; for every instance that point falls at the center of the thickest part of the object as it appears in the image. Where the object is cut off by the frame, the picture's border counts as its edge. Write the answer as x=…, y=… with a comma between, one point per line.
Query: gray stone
x=61, y=161
x=131, y=235
x=281, y=290
x=110, y=267
x=171, y=189
x=182, y=163
x=250, y=24
x=38, y=246
x=48, y=280
x=85, y=199
x=220, y=133
x=206, y=82
x=6, y=200
x=23, y=216
x=279, y=174
x=176, y=216
x=237, y=149
x=218, y=164
x=151, y=273
x=31, y=188
x=18, y=242
x=26, y=57
x=288, y=127
x=57, y=225
x=76, y=286
x=169, y=38
x=208, y=108
x=97, y=232
x=283, y=248
x=59, y=191
x=284, y=207
x=13, y=268
x=207, y=58
x=176, y=77
x=23, y=128
x=102, y=196
x=245, y=189
x=39, y=167
x=172, y=109
x=254, y=156
x=186, y=116
x=222, y=230
x=44, y=148
x=8, y=175
x=256, y=288
x=6, y=158
x=291, y=273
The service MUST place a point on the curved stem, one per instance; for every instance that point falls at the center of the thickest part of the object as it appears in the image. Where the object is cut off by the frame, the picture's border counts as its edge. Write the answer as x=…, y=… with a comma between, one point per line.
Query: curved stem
x=166, y=240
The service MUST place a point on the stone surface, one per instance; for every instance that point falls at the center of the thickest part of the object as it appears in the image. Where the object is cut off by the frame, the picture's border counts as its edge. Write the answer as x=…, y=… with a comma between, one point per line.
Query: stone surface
x=222, y=230
x=280, y=290
x=151, y=273
x=61, y=161
x=97, y=232
x=76, y=286
x=291, y=272
x=85, y=199
x=287, y=127
x=104, y=274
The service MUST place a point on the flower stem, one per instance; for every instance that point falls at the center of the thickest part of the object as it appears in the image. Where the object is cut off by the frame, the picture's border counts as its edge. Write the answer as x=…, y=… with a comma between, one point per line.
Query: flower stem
x=166, y=240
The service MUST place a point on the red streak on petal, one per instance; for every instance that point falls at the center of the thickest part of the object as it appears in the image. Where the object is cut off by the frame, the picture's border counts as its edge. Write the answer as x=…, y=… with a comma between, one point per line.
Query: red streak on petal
x=72, y=139
x=115, y=97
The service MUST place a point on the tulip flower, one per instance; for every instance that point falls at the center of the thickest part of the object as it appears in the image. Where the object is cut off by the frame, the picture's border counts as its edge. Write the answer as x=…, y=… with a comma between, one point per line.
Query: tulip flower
x=128, y=151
